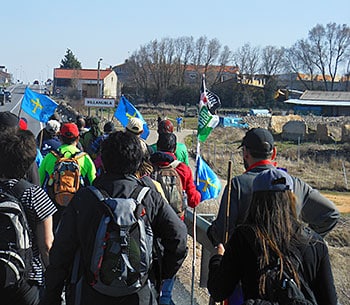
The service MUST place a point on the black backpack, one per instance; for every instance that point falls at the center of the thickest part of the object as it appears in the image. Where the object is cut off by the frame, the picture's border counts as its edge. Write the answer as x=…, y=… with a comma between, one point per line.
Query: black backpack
x=15, y=243
x=281, y=289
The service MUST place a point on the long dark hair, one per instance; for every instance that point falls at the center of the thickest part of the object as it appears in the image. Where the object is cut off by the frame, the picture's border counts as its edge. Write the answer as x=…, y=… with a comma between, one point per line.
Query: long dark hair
x=273, y=217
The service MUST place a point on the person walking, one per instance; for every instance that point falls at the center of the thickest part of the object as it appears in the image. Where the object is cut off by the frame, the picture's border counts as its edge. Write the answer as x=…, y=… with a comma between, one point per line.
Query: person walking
x=166, y=126
x=17, y=153
x=271, y=239
x=165, y=159
x=69, y=136
x=259, y=152
x=121, y=155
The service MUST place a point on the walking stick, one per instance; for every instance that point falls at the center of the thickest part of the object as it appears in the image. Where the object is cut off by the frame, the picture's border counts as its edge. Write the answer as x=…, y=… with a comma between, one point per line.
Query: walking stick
x=228, y=202
x=228, y=208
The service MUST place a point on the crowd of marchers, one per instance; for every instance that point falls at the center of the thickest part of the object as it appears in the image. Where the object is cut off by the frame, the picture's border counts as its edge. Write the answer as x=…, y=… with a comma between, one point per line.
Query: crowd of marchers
x=96, y=216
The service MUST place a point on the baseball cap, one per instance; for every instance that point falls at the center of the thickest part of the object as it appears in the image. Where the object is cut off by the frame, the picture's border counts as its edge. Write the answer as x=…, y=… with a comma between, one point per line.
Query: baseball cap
x=23, y=124
x=69, y=130
x=275, y=180
x=135, y=126
x=108, y=127
x=259, y=140
x=8, y=119
x=53, y=126
x=165, y=126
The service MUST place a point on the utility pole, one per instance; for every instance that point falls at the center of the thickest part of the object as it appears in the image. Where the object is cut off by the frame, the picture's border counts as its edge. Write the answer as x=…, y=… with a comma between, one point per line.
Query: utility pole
x=98, y=78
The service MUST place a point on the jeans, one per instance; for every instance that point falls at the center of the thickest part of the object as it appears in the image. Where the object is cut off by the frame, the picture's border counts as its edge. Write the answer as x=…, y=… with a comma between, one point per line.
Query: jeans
x=167, y=290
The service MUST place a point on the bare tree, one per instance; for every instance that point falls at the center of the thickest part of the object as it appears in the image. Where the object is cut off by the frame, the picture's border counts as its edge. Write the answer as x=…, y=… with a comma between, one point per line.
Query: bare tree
x=272, y=60
x=247, y=58
x=225, y=58
x=298, y=59
x=328, y=47
x=183, y=57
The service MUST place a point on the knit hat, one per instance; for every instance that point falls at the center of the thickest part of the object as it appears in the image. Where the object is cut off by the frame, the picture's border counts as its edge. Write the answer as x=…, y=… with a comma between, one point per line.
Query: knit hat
x=69, y=130
x=53, y=126
x=135, y=125
x=275, y=180
x=259, y=140
x=8, y=119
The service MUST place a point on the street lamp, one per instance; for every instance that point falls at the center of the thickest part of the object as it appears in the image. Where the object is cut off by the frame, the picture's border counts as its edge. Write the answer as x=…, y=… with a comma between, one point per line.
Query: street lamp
x=98, y=77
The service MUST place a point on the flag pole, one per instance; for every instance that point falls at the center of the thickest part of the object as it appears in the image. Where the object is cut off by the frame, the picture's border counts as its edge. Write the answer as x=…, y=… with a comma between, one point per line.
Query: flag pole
x=194, y=256
x=20, y=107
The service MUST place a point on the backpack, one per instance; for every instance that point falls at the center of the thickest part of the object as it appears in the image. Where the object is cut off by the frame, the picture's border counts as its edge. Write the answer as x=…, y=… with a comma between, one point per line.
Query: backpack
x=122, y=255
x=66, y=177
x=171, y=184
x=15, y=243
x=281, y=289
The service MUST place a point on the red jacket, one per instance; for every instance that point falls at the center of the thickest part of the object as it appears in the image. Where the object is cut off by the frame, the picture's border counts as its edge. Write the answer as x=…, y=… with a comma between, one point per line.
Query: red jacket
x=185, y=173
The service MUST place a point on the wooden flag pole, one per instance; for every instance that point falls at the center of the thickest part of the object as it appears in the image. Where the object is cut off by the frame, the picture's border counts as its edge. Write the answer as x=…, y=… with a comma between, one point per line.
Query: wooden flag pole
x=228, y=202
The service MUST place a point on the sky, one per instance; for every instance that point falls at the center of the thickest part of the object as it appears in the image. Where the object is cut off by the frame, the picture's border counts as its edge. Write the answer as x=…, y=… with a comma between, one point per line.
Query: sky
x=37, y=34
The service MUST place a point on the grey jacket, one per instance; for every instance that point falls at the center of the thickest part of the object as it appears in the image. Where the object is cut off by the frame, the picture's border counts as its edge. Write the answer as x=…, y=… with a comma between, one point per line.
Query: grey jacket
x=314, y=209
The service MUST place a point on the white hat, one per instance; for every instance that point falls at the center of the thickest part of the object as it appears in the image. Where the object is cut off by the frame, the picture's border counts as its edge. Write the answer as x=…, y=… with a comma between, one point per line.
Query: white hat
x=53, y=126
x=135, y=126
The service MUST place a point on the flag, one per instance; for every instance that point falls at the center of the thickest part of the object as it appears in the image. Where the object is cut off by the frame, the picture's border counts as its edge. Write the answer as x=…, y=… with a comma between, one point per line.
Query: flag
x=207, y=120
x=208, y=98
x=208, y=183
x=38, y=106
x=126, y=110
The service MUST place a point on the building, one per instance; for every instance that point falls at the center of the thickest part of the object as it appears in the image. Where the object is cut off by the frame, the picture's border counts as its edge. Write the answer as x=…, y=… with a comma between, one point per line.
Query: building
x=81, y=83
x=5, y=78
x=328, y=103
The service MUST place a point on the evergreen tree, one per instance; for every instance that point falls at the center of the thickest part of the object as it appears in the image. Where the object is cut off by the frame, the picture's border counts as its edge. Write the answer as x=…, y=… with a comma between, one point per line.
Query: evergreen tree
x=70, y=61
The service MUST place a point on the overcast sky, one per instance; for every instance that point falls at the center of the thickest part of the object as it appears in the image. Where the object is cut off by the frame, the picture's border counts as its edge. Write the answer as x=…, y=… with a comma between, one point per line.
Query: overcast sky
x=36, y=34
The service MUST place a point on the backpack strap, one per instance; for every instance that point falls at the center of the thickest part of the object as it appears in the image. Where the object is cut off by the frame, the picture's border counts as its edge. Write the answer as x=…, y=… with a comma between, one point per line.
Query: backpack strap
x=138, y=193
x=18, y=189
x=175, y=163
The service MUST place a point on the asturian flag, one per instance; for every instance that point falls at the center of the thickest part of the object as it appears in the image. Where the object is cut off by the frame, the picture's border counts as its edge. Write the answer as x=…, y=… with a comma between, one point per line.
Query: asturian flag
x=208, y=183
x=125, y=111
x=38, y=106
x=207, y=120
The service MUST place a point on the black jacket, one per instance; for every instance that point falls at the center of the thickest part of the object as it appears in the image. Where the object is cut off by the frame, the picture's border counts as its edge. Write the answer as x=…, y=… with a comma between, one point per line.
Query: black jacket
x=240, y=263
x=78, y=228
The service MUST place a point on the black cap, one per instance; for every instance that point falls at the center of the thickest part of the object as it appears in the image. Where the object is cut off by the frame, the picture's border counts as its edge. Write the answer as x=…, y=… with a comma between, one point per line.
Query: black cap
x=258, y=140
x=8, y=119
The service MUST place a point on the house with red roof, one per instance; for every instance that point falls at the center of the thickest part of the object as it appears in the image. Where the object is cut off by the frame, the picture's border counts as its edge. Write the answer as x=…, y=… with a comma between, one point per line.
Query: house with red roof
x=81, y=83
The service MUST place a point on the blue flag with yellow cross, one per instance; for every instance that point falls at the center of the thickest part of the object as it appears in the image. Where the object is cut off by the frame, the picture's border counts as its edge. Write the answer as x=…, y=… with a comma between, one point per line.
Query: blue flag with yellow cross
x=38, y=106
x=125, y=111
x=208, y=183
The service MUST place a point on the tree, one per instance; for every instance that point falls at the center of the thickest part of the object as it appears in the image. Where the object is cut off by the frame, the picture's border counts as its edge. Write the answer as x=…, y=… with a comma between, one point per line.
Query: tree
x=328, y=46
x=271, y=65
x=70, y=61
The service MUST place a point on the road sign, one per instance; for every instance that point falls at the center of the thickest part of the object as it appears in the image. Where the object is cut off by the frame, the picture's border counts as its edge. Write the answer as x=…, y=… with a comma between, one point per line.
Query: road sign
x=100, y=102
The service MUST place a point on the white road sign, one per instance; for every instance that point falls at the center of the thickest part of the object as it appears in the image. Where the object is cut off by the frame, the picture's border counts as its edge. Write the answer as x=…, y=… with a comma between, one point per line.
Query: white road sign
x=100, y=102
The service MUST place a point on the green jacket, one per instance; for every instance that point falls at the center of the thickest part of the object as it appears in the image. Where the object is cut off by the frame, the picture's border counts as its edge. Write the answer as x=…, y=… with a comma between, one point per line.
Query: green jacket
x=87, y=166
